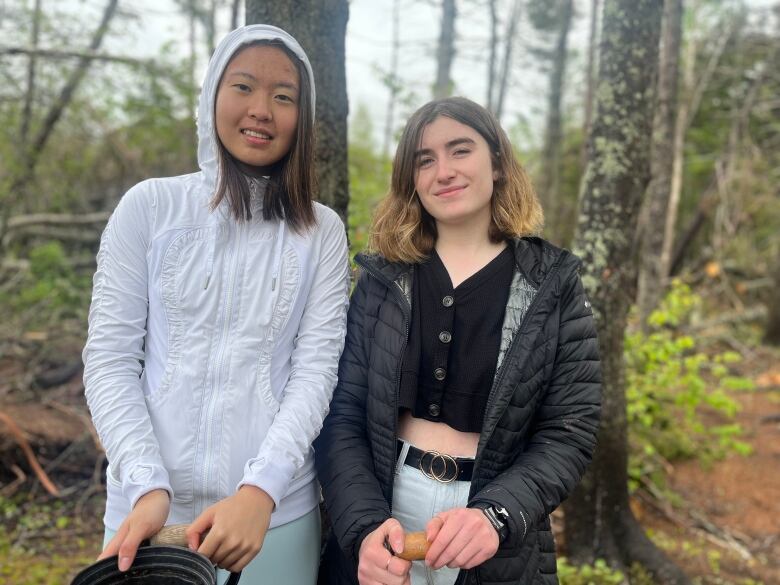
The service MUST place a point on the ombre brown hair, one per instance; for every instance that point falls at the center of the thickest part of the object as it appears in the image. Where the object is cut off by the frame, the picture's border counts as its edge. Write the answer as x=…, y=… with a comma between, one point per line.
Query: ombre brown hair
x=403, y=231
x=290, y=192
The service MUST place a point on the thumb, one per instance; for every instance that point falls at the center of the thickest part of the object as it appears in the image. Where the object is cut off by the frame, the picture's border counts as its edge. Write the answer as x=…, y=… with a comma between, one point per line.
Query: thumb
x=112, y=547
x=129, y=547
x=395, y=535
x=195, y=530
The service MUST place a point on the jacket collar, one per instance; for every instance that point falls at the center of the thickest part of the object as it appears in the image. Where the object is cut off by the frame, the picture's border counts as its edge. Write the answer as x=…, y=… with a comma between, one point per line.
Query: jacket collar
x=533, y=256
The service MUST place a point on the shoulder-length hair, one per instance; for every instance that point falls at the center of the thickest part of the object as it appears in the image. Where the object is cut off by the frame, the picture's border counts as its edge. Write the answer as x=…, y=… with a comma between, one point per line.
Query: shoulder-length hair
x=403, y=231
x=289, y=195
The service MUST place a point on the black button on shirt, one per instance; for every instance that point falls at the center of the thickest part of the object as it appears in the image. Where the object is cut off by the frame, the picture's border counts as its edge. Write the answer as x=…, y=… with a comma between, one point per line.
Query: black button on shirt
x=455, y=335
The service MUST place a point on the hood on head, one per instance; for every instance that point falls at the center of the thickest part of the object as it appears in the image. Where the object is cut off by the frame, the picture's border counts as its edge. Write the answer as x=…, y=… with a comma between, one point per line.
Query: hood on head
x=207, y=134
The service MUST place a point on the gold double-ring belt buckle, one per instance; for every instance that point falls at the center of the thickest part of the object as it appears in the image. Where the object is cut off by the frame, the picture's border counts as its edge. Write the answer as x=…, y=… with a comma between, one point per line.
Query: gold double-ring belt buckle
x=431, y=473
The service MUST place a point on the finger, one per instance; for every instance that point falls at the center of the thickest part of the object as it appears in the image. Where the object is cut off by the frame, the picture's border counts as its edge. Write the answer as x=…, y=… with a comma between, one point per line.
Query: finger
x=395, y=535
x=242, y=562
x=398, y=567
x=477, y=559
x=230, y=558
x=129, y=547
x=210, y=545
x=459, y=542
x=194, y=532
x=442, y=541
x=433, y=527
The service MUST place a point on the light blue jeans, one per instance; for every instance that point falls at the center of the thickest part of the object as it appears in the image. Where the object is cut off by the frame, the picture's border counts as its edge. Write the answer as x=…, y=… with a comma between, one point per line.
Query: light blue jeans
x=417, y=499
x=290, y=554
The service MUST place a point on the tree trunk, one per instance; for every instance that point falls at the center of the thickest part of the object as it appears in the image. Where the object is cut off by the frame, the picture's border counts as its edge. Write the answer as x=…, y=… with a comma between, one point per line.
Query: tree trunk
x=598, y=520
x=445, y=53
x=506, y=63
x=551, y=155
x=320, y=26
x=393, y=79
x=772, y=330
x=30, y=93
x=492, y=49
x=652, y=274
x=234, y=11
x=589, y=76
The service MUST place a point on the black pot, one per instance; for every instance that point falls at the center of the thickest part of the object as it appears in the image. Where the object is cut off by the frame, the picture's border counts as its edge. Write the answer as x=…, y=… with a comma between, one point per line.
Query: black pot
x=155, y=565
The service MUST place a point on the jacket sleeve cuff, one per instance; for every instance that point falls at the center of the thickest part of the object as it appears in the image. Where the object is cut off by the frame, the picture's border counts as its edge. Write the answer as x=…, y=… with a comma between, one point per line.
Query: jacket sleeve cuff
x=143, y=478
x=273, y=477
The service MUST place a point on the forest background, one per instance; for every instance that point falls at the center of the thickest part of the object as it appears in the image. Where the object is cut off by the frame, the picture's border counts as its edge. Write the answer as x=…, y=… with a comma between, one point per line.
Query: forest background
x=652, y=133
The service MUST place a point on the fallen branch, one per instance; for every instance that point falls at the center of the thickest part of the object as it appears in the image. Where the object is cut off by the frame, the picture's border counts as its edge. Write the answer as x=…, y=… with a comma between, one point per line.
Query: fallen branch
x=28, y=452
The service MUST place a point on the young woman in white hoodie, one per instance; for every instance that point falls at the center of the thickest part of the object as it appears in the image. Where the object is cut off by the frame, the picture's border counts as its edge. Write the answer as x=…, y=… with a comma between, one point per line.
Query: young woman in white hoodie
x=217, y=320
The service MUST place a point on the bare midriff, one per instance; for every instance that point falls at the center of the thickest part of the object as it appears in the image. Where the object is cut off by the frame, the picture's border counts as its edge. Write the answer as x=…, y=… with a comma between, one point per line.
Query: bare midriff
x=432, y=436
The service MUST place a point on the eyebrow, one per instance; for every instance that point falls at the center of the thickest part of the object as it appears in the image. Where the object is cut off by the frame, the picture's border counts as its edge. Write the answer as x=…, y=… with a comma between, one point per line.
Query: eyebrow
x=250, y=77
x=449, y=145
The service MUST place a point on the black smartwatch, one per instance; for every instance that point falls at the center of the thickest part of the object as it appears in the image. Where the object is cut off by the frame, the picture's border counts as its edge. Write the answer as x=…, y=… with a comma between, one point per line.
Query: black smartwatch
x=498, y=518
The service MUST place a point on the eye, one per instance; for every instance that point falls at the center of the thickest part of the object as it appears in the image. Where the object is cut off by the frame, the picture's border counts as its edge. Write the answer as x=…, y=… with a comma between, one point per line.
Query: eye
x=424, y=162
x=242, y=87
x=462, y=151
x=285, y=98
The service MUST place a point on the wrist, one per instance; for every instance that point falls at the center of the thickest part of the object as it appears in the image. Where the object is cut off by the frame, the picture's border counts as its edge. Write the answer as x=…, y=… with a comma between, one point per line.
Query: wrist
x=256, y=494
x=498, y=518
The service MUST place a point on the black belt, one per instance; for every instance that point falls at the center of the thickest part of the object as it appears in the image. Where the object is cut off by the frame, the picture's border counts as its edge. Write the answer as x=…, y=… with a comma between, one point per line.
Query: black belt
x=439, y=466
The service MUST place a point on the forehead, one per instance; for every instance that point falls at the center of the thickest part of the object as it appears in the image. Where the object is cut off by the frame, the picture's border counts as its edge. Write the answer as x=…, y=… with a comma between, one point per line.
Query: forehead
x=444, y=130
x=263, y=61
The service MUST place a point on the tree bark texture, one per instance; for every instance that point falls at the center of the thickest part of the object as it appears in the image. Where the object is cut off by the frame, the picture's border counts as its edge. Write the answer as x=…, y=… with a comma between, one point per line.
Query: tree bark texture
x=320, y=27
x=445, y=53
x=598, y=520
x=652, y=273
x=551, y=155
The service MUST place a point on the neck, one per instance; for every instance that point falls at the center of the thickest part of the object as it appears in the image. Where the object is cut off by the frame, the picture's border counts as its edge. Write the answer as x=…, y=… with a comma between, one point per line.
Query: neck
x=466, y=239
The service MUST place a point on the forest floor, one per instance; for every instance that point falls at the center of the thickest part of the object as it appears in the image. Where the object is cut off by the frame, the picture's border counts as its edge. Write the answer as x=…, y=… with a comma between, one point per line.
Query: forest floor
x=722, y=526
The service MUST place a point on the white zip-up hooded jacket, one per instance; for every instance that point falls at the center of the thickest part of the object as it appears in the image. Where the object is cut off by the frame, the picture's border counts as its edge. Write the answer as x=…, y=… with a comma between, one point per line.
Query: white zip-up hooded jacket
x=213, y=344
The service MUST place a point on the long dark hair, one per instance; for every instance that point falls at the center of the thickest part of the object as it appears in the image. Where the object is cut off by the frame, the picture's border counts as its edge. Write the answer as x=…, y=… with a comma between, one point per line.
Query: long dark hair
x=290, y=191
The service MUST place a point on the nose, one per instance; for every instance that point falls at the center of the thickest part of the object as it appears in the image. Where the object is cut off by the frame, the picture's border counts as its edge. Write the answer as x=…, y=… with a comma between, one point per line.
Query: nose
x=260, y=109
x=444, y=170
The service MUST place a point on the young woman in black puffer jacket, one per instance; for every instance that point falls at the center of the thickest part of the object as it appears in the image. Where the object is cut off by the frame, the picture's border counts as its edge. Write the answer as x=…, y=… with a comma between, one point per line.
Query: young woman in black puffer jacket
x=468, y=396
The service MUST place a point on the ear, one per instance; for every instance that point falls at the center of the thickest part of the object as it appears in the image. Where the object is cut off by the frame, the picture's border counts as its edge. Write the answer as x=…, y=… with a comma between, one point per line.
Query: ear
x=496, y=175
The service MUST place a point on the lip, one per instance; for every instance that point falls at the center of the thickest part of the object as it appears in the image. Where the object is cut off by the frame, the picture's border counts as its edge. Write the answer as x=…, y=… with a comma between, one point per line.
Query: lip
x=257, y=140
x=449, y=190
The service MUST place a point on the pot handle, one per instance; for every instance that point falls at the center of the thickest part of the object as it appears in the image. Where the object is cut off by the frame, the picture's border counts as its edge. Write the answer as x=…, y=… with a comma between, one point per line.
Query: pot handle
x=174, y=535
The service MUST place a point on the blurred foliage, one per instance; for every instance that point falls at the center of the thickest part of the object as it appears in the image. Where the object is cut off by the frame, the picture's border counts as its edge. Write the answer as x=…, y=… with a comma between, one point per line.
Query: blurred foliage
x=678, y=396
x=369, y=178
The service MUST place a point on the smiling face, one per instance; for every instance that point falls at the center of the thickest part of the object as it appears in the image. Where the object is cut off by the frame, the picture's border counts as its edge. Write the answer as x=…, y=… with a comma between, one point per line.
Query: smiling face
x=454, y=174
x=256, y=111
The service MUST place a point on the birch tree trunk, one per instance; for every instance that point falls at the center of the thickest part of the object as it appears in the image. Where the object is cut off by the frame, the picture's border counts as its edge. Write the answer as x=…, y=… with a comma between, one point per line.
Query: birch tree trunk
x=652, y=273
x=445, y=54
x=320, y=26
x=598, y=520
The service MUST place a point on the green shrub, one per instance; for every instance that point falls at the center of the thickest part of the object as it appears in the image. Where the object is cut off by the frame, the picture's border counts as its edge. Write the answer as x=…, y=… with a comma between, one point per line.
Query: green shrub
x=670, y=384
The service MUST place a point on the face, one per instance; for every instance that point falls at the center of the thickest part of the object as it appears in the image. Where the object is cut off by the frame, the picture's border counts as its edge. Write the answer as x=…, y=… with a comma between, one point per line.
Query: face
x=455, y=174
x=257, y=106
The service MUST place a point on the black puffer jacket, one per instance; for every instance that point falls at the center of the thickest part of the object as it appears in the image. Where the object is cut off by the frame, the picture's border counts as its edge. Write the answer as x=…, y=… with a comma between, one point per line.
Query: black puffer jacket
x=539, y=427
